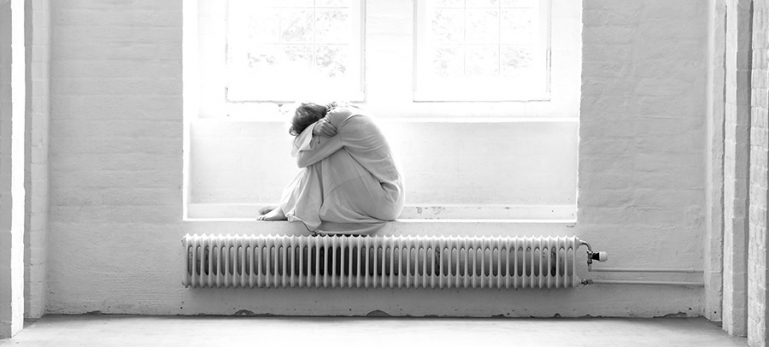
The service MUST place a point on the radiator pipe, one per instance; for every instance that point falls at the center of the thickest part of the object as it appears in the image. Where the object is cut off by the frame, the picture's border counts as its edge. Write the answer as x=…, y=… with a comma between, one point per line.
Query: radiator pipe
x=664, y=283
x=602, y=256
x=590, y=269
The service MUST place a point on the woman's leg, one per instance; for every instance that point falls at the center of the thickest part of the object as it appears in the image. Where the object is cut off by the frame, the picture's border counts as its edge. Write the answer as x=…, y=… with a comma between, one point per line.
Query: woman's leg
x=352, y=194
x=301, y=199
x=297, y=199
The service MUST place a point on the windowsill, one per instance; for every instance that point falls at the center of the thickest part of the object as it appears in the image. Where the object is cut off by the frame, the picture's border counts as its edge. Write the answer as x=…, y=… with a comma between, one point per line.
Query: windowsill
x=398, y=227
x=566, y=222
x=413, y=213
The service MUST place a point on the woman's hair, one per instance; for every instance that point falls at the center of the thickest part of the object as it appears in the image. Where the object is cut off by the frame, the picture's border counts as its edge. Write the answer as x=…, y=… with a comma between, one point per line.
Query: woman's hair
x=306, y=114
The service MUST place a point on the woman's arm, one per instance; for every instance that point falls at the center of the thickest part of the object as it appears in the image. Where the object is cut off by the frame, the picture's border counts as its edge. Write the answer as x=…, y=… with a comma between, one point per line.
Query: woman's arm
x=324, y=127
x=309, y=151
x=310, y=148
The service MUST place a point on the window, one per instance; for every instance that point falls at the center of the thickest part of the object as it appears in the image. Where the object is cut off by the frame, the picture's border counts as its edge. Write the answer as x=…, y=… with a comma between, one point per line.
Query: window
x=482, y=50
x=278, y=50
x=237, y=142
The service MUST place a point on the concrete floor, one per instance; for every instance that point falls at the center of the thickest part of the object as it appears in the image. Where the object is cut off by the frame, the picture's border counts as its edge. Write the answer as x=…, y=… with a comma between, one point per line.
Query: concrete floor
x=106, y=330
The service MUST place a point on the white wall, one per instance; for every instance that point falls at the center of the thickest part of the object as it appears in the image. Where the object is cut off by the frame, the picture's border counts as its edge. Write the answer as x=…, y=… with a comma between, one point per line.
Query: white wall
x=7, y=273
x=739, y=100
x=116, y=163
x=12, y=165
x=38, y=31
x=714, y=220
x=758, y=263
x=736, y=164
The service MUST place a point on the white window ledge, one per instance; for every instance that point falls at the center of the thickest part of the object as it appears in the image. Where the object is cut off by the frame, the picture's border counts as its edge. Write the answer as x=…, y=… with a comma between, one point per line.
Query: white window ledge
x=413, y=213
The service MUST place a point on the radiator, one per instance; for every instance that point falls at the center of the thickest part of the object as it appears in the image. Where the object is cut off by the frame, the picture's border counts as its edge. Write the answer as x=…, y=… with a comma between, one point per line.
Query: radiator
x=379, y=261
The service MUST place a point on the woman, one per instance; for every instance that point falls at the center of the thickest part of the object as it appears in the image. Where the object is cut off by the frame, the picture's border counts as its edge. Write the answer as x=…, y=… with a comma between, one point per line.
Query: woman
x=349, y=183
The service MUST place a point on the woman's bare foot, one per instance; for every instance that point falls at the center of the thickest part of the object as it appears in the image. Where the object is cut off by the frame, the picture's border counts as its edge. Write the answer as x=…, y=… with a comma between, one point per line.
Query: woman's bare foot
x=275, y=215
x=266, y=210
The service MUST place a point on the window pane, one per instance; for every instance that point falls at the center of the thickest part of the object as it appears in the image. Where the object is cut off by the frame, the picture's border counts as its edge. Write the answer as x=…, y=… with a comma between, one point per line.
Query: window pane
x=286, y=3
x=260, y=26
x=332, y=3
x=248, y=6
x=483, y=3
x=296, y=25
x=448, y=61
x=284, y=40
x=332, y=26
x=518, y=26
x=449, y=3
x=261, y=57
x=448, y=25
x=271, y=59
x=519, y=3
x=332, y=61
x=295, y=58
x=482, y=60
x=516, y=60
x=482, y=26
x=468, y=47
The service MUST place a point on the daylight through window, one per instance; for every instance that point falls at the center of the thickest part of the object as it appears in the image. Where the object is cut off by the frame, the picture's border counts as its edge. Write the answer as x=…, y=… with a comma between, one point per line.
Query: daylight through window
x=482, y=50
x=281, y=50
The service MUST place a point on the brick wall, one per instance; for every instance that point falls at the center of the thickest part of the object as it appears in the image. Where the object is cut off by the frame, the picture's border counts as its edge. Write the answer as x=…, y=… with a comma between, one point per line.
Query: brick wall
x=714, y=239
x=642, y=128
x=746, y=148
x=759, y=135
x=115, y=148
x=736, y=142
x=38, y=19
x=11, y=167
x=6, y=108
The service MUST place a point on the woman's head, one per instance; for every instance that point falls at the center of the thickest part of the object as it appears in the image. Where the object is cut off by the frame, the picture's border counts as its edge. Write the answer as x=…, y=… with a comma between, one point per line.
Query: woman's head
x=305, y=115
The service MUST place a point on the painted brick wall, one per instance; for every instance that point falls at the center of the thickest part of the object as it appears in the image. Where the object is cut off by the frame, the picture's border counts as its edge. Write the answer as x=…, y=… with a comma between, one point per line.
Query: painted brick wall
x=642, y=129
x=6, y=310
x=116, y=171
x=759, y=138
x=736, y=142
x=11, y=167
x=38, y=19
x=714, y=240
x=115, y=150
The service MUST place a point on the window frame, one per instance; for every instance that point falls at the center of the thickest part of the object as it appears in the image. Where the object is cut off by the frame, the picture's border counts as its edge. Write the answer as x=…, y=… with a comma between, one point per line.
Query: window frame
x=424, y=90
x=354, y=93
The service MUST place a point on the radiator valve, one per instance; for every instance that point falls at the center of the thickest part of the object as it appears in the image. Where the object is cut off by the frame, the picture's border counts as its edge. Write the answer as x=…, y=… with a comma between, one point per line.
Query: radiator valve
x=600, y=256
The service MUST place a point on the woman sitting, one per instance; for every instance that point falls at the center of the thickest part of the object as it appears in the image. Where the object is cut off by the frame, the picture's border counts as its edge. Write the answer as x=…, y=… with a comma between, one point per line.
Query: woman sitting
x=349, y=183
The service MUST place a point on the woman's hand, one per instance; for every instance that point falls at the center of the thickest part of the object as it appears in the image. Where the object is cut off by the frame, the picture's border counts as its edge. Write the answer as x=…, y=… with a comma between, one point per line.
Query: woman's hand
x=324, y=128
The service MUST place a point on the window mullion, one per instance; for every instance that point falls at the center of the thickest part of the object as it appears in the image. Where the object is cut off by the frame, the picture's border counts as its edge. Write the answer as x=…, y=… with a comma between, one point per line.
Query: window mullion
x=499, y=39
x=464, y=40
x=313, y=45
